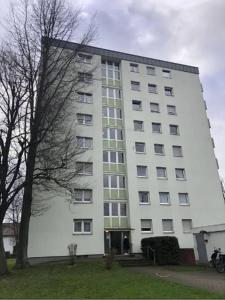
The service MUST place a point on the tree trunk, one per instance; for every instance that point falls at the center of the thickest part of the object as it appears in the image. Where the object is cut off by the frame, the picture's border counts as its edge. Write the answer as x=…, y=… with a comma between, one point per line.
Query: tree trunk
x=3, y=261
x=21, y=255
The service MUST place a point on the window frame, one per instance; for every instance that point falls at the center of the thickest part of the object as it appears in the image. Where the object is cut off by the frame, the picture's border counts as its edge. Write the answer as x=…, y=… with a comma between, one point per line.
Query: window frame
x=187, y=232
x=146, y=173
x=138, y=122
x=177, y=129
x=148, y=197
x=166, y=71
x=183, y=173
x=154, y=111
x=170, y=112
x=117, y=157
x=84, y=165
x=137, y=102
x=177, y=147
x=163, y=149
x=164, y=203
x=82, y=232
x=134, y=68
x=108, y=133
x=85, y=97
x=159, y=125
x=151, y=226
x=168, y=231
x=168, y=91
x=187, y=197
x=109, y=180
x=84, y=58
x=153, y=86
x=161, y=177
x=82, y=196
x=84, y=119
x=140, y=143
x=152, y=69
x=135, y=86
x=84, y=140
x=119, y=209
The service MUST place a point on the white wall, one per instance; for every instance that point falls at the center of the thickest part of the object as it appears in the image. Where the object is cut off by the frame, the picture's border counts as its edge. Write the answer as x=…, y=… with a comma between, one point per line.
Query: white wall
x=202, y=184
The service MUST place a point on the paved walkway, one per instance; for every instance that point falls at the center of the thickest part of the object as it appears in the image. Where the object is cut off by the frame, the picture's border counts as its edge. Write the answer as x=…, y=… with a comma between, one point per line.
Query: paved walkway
x=207, y=279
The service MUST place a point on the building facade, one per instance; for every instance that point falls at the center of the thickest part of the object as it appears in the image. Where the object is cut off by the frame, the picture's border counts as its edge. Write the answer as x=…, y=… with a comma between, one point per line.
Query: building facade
x=149, y=167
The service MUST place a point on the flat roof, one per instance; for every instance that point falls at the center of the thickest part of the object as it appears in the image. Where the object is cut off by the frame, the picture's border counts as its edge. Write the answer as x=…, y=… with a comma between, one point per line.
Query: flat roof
x=116, y=55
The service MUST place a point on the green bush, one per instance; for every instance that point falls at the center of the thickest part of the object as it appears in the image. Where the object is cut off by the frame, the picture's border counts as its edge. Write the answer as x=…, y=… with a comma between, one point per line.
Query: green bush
x=166, y=248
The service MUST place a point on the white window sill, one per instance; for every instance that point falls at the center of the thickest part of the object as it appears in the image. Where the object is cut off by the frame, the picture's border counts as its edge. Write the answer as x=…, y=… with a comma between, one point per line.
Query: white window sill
x=188, y=204
x=82, y=233
x=140, y=152
x=147, y=232
x=142, y=176
x=160, y=154
x=162, y=178
x=167, y=232
x=166, y=204
x=181, y=179
x=152, y=111
x=144, y=203
x=82, y=202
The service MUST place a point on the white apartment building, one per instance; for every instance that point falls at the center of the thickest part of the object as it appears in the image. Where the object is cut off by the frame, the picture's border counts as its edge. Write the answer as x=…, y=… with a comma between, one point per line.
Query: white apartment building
x=150, y=166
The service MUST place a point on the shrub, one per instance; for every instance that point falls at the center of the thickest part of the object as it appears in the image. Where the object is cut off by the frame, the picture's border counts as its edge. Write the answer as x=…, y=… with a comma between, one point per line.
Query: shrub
x=166, y=249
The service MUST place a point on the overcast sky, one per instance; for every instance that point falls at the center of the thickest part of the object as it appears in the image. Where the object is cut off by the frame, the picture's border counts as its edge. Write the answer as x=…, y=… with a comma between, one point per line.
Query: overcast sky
x=183, y=31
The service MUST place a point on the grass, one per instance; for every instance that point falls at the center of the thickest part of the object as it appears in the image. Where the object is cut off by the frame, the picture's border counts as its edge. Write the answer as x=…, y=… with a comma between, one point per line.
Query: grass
x=91, y=280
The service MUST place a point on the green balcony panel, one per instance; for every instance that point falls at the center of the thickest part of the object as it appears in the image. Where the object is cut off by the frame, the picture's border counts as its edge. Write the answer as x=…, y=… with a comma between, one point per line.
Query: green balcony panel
x=124, y=222
x=115, y=222
x=105, y=122
x=111, y=102
x=106, y=194
x=114, y=168
x=117, y=83
x=121, y=168
x=120, y=144
x=122, y=194
x=104, y=101
x=112, y=144
x=104, y=81
x=107, y=222
x=112, y=122
x=110, y=82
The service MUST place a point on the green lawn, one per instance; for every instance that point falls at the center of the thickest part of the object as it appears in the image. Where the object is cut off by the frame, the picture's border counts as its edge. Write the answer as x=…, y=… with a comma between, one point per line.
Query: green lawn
x=91, y=280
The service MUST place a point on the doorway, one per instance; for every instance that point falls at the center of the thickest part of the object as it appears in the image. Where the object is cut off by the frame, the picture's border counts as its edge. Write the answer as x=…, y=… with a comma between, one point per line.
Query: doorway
x=114, y=241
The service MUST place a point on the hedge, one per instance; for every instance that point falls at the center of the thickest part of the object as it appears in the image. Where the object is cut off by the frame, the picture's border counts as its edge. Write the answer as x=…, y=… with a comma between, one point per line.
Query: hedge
x=166, y=249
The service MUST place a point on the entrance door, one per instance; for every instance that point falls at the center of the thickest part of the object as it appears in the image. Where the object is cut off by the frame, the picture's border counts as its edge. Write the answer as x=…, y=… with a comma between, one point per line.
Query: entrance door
x=116, y=241
x=202, y=253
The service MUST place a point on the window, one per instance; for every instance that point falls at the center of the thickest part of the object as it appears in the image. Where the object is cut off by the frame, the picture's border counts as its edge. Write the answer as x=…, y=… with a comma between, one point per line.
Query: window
x=187, y=225
x=154, y=107
x=138, y=125
x=136, y=105
x=159, y=149
x=164, y=198
x=152, y=88
x=166, y=73
x=111, y=93
x=141, y=171
x=174, y=130
x=177, y=151
x=113, y=157
x=156, y=127
x=150, y=70
x=167, y=225
x=82, y=196
x=113, y=133
x=85, y=77
x=85, y=98
x=84, y=58
x=180, y=174
x=134, y=68
x=85, y=142
x=135, y=85
x=115, y=209
x=84, y=119
x=84, y=168
x=183, y=198
x=168, y=91
x=110, y=70
x=140, y=147
x=146, y=225
x=82, y=226
x=171, y=109
x=161, y=172
x=144, y=197
x=111, y=112
x=114, y=181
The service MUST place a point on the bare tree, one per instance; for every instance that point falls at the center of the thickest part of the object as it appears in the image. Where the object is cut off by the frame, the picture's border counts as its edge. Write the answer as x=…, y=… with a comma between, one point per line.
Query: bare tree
x=53, y=80
x=12, y=139
x=50, y=82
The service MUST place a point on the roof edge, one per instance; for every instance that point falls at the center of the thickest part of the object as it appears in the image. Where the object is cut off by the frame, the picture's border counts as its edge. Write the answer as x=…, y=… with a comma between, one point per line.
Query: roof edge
x=112, y=54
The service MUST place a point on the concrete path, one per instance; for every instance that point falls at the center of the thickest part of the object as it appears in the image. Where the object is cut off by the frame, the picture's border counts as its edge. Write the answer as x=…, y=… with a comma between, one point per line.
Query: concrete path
x=207, y=279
